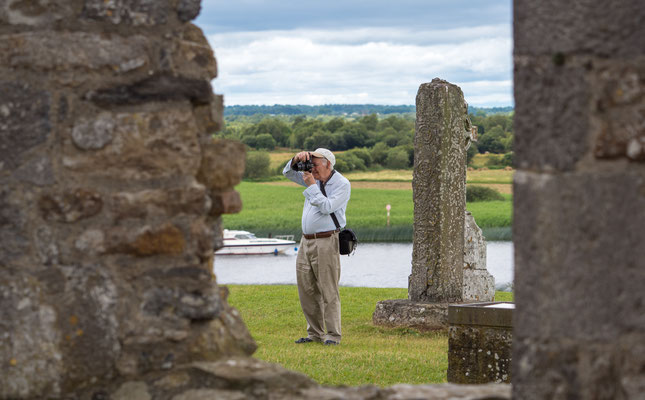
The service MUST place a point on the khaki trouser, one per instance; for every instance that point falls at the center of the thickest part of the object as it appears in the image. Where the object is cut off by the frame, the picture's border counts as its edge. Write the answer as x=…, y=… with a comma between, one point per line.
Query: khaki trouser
x=318, y=273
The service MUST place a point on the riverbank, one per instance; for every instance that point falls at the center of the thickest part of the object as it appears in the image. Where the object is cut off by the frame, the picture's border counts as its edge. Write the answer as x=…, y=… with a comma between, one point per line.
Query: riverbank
x=275, y=209
x=367, y=354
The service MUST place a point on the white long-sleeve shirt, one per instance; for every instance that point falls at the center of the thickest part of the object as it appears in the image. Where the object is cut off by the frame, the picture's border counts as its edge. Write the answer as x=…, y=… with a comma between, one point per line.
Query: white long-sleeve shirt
x=317, y=209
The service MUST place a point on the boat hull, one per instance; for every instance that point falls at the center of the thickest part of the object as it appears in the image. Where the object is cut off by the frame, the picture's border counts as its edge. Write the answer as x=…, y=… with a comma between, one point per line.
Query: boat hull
x=245, y=243
x=250, y=249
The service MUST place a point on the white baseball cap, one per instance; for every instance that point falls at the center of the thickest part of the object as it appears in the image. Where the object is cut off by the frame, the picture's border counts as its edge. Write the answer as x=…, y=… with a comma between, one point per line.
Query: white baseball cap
x=326, y=154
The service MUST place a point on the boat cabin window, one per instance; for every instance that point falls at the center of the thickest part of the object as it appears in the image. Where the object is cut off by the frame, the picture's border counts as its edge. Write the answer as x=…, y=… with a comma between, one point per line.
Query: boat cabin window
x=245, y=236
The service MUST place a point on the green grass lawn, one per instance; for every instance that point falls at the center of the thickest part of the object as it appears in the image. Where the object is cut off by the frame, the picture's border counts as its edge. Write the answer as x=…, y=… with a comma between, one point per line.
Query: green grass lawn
x=278, y=209
x=367, y=355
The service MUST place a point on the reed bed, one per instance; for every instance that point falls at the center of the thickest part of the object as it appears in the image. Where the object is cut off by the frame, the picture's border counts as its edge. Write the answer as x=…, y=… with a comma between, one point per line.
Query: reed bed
x=276, y=210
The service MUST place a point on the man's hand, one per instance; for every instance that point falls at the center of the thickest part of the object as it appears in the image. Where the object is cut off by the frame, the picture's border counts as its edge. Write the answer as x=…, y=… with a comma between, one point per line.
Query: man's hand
x=302, y=156
x=309, y=178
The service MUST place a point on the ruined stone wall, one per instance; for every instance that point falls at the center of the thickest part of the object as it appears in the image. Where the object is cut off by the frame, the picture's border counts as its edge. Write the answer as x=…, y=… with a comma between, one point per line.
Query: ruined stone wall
x=579, y=200
x=111, y=190
x=110, y=194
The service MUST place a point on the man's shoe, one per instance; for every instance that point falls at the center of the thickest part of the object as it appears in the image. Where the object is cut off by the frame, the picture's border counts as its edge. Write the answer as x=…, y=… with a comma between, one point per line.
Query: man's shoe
x=304, y=340
x=330, y=343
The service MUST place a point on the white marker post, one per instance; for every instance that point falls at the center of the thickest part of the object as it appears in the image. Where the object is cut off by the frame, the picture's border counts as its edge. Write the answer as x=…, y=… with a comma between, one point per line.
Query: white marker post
x=388, y=208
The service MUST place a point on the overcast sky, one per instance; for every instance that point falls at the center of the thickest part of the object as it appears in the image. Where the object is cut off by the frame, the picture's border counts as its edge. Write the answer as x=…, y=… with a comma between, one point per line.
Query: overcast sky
x=358, y=51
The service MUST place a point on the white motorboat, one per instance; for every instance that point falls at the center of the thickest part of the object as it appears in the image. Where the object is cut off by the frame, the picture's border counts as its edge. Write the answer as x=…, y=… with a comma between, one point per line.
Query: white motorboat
x=245, y=243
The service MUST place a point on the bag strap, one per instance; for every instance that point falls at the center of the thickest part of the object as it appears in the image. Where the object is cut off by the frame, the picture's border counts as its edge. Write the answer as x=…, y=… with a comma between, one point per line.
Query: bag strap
x=322, y=189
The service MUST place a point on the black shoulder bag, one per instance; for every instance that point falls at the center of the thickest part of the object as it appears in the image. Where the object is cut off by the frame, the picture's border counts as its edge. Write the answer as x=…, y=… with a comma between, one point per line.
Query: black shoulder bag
x=347, y=240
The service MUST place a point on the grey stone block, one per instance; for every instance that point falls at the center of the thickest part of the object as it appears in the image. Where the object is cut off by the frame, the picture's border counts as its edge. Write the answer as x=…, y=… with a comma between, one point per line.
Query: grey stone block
x=545, y=371
x=31, y=340
x=45, y=13
x=579, y=264
x=479, y=285
x=474, y=245
x=94, y=134
x=188, y=9
x=24, y=121
x=156, y=88
x=71, y=205
x=586, y=27
x=412, y=314
x=38, y=171
x=128, y=12
x=598, y=369
x=160, y=145
x=479, y=354
x=552, y=104
x=480, y=342
x=74, y=54
x=194, y=304
x=14, y=233
x=618, y=124
x=497, y=314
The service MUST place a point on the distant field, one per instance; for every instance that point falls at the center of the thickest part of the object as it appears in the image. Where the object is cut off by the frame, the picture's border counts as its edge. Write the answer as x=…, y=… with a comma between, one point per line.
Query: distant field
x=279, y=159
x=480, y=160
x=498, y=179
x=496, y=176
x=503, y=188
x=383, y=175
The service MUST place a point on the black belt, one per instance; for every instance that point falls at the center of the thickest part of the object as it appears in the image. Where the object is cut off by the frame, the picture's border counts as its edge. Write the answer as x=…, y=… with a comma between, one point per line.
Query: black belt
x=320, y=235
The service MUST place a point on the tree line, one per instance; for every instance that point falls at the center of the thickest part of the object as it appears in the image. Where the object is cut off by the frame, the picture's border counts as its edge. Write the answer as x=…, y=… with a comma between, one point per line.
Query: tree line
x=326, y=109
x=338, y=110
x=367, y=142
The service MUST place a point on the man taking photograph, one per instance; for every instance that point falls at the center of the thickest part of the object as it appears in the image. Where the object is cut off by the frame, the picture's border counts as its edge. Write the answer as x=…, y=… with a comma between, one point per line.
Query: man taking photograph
x=318, y=261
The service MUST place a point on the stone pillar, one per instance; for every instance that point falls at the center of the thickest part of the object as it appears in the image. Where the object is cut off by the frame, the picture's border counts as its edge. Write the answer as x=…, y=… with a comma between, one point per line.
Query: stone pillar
x=441, y=223
x=579, y=200
x=439, y=187
x=110, y=194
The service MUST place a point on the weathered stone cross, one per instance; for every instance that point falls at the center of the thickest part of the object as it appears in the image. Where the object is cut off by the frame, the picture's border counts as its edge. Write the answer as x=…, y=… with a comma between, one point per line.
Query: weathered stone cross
x=449, y=253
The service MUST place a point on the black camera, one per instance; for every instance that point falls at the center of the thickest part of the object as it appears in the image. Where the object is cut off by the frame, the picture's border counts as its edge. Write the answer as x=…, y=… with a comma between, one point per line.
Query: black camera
x=306, y=165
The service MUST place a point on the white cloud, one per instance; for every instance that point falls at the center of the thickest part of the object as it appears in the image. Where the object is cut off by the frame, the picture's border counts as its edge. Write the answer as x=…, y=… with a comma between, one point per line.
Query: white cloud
x=368, y=65
x=372, y=34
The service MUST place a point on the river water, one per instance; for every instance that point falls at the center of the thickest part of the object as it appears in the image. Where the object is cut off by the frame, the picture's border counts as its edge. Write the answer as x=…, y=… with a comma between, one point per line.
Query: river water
x=373, y=265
